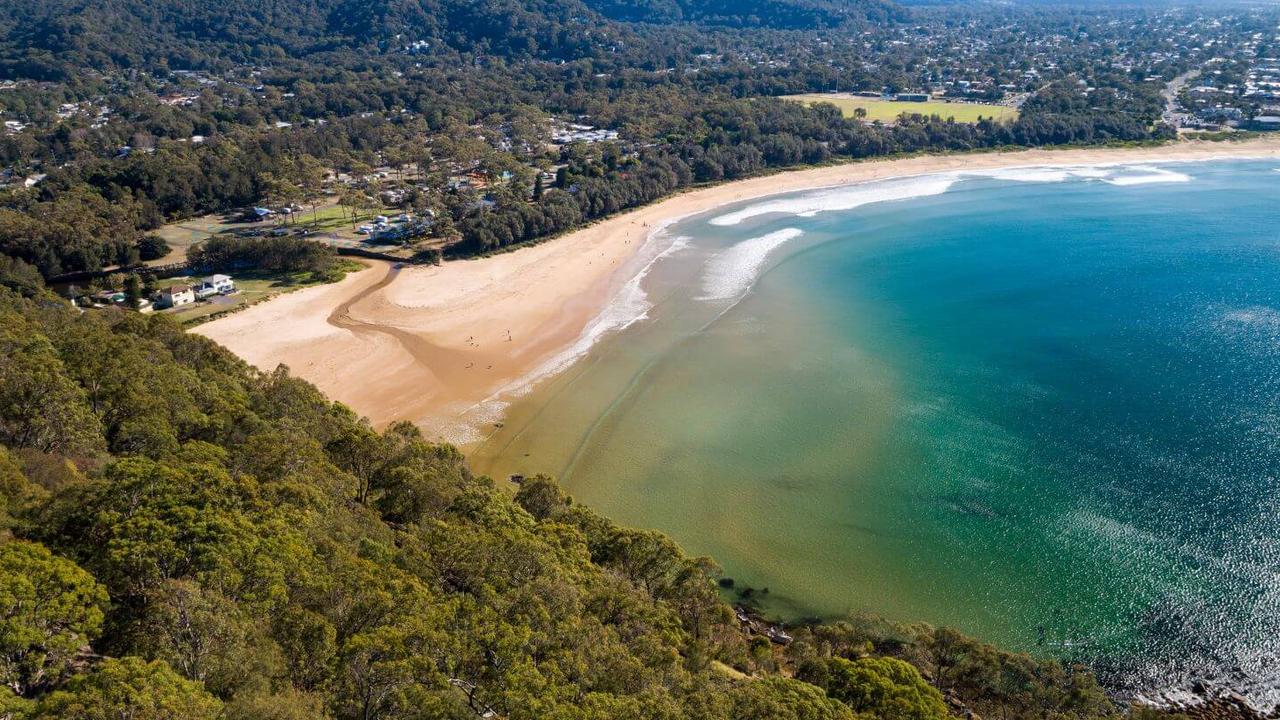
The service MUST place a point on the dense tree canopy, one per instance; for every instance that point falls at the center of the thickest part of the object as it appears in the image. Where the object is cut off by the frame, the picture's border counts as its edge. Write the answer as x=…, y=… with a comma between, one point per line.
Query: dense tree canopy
x=49, y=609
x=128, y=688
x=883, y=687
x=212, y=107
x=183, y=536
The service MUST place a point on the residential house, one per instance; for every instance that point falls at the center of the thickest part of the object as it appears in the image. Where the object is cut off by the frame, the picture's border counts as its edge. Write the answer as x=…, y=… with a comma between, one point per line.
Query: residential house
x=176, y=296
x=215, y=285
x=1266, y=123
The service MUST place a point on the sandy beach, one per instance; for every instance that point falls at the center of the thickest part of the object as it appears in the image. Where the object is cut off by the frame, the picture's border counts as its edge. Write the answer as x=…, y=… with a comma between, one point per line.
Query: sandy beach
x=441, y=346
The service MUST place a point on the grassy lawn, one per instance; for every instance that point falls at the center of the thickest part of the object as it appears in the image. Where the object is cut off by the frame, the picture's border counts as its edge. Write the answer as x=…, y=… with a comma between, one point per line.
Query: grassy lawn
x=889, y=110
x=328, y=217
x=184, y=235
x=251, y=288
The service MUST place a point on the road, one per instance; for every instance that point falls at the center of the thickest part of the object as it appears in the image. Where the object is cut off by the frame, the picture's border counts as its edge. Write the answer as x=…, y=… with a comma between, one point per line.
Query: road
x=1170, y=92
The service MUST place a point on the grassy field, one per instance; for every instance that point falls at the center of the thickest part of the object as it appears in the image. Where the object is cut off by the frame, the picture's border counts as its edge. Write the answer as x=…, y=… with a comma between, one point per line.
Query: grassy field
x=889, y=110
x=183, y=235
x=331, y=217
x=328, y=217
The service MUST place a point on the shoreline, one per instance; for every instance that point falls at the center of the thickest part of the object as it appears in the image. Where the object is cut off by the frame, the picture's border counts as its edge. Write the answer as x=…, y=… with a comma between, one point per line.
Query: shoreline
x=445, y=346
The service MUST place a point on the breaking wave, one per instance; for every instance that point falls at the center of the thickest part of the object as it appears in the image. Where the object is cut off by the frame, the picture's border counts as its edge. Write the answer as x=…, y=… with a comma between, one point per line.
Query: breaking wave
x=1147, y=176
x=843, y=198
x=1041, y=174
x=1120, y=175
x=630, y=305
x=855, y=196
x=731, y=273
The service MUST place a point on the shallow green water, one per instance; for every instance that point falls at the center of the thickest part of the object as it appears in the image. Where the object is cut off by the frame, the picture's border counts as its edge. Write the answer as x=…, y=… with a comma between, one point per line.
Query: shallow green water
x=1041, y=406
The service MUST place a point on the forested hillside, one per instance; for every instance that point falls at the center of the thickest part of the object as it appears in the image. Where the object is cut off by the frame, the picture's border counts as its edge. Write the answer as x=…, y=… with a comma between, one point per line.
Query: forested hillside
x=50, y=39
x=791, y=14
x=184, y=537
x=121, y=117
x=55, y=38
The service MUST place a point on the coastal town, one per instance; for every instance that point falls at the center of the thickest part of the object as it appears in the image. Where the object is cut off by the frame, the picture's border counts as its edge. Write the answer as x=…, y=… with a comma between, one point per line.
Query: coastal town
x=1232, y=97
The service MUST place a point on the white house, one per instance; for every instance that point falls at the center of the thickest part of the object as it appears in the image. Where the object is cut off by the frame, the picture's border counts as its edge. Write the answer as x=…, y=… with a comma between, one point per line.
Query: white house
x=215, y=285
x=176, y=296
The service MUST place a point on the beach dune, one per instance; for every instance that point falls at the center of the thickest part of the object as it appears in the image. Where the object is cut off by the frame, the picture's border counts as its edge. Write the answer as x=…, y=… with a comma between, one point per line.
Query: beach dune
x=440, y=345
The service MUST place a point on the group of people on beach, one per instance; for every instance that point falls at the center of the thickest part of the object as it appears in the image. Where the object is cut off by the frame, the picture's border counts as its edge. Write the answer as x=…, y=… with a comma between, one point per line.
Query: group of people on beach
x=471, y=341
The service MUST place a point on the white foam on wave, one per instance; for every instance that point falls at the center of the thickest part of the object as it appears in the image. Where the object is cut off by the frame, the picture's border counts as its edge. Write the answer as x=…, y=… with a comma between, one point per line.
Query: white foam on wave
x=854, y=196
x=731, y=272
x=1120, y=175
x=1043, y=174
x=1148, y=176
x=468, y=424
x=628, y=306
x=842, y=198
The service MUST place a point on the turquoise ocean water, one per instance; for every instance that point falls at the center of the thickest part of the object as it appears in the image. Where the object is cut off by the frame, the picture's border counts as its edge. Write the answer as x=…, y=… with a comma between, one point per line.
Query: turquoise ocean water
x=1041, y=405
